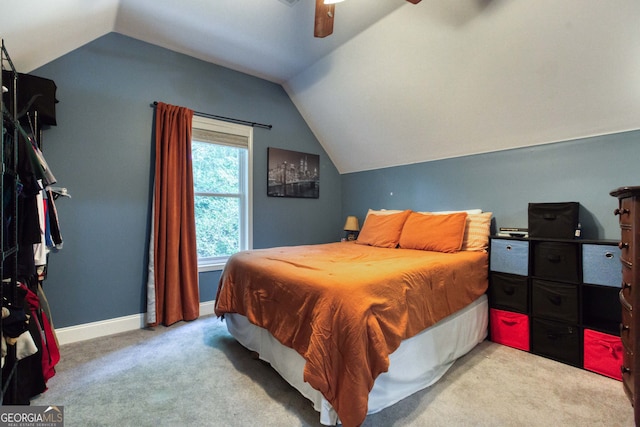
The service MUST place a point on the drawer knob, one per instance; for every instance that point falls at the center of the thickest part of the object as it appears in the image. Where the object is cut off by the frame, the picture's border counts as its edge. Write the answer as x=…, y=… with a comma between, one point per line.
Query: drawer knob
x=624, y=328
x=621, y=211
x=626, y=285
x=508, y=247
x=608, y=255
x=625, y=370
x=623, y=245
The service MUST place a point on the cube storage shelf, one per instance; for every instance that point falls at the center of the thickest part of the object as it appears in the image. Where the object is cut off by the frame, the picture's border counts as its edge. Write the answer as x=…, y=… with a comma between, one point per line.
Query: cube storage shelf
x=558, y=298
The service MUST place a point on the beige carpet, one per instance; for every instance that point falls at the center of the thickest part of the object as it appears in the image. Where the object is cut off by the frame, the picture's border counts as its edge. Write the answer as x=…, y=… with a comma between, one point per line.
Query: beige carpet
x=196, y=374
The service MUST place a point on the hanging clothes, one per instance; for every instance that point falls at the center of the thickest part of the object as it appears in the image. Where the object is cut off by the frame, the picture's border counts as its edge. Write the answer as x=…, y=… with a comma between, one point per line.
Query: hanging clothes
x=30, y=230
x=40, y=248
x=53, y=224
x=50, y=354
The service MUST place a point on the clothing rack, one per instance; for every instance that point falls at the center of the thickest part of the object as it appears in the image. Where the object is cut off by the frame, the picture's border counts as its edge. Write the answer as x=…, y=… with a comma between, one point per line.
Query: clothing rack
x=32, y=348
x=226, y=119
x=8, y=236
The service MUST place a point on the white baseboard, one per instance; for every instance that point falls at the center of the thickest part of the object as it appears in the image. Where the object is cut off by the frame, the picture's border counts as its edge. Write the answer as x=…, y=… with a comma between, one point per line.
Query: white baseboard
x=107, y=327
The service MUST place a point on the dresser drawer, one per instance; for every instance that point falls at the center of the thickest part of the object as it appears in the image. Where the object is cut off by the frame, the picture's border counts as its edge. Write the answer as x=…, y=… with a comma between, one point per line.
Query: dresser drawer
x=556, y=261
x=626, y=244
x=627, y=370
x=627, y=336
x=553, y=300
x=628, y=284
x=626, y=211
x=510, y=256
x=626, y=331
x=509, y=291
x=601, y=265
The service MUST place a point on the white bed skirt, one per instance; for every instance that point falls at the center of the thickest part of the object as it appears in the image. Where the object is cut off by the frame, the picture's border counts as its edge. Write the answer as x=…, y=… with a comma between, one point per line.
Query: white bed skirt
x=419, y=362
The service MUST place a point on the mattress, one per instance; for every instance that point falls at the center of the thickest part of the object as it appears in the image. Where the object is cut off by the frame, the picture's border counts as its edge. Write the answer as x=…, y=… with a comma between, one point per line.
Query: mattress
x=417, y=363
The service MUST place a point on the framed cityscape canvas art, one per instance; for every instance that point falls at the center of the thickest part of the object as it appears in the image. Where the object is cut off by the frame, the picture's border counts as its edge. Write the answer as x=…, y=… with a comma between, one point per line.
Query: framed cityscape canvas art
x=293, y=174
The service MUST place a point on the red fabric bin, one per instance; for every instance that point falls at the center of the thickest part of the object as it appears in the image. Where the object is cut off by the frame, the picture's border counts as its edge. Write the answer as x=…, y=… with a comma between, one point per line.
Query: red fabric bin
x=509, y=328
x=603, y=353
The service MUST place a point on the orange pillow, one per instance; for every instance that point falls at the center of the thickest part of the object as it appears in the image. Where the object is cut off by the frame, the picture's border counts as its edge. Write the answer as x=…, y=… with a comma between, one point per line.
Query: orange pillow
x=441, y=233
x=382, y=230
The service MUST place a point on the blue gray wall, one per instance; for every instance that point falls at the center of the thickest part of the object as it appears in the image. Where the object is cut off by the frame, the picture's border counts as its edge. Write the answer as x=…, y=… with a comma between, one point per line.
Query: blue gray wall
x=101, y=150
x=504, y=182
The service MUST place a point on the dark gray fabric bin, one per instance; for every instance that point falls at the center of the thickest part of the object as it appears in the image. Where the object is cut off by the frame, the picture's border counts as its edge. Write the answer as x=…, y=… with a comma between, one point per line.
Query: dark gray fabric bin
x=558, y=341
x=554, y=300
x=553, y=220
x=556, y=261
x=509, y=292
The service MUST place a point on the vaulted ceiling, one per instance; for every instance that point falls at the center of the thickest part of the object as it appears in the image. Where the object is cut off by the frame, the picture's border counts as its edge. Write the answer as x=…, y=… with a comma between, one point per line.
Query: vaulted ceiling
x=396, y=83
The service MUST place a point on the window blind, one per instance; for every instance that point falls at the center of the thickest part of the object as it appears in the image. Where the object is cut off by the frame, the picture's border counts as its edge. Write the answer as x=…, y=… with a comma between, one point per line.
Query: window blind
x=216, y=137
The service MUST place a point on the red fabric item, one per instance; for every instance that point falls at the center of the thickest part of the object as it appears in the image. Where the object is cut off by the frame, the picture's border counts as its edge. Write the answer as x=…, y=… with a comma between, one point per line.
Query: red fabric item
x=603, y=354
x=509, y=328
x=50, y=350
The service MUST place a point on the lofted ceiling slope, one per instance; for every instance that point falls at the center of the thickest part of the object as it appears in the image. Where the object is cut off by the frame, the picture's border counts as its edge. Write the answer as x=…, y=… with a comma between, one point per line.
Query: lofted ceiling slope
x=396, y=83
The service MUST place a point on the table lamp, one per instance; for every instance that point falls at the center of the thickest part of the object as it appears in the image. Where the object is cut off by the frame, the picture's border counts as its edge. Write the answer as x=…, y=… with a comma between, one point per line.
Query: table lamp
x=352, y=227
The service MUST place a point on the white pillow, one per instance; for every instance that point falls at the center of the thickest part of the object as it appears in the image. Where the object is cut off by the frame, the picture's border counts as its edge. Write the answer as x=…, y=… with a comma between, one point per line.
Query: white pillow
x=468, y=211
x=383, y=211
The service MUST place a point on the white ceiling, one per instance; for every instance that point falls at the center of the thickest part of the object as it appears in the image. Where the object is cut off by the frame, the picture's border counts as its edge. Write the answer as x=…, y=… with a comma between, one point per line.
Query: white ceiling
x=396, y=83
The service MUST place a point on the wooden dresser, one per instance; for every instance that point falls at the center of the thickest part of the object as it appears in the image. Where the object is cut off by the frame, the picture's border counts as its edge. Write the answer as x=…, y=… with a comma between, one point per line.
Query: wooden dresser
x=629, y=213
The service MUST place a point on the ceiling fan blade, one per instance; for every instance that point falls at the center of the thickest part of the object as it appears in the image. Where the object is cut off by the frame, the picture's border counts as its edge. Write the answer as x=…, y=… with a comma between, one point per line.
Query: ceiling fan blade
x=324, y=19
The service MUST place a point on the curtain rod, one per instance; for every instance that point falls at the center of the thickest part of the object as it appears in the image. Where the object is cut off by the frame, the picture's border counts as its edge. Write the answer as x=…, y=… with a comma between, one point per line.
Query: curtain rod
x=226, y=119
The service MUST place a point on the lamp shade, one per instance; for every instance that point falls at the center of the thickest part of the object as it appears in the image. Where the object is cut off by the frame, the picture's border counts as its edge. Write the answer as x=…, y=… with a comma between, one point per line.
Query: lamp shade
x=351, y=224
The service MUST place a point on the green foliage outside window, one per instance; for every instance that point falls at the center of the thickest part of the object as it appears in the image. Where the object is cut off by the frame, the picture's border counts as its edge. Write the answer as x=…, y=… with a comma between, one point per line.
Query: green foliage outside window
x=217, y=183
x=217, y=226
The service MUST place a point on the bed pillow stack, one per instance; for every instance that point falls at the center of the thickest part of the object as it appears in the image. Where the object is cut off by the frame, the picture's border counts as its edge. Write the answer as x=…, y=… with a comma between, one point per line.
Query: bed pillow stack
x=444, y=231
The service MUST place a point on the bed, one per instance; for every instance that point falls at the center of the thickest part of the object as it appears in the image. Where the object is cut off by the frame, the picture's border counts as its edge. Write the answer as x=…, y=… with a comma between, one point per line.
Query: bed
x=358, y=326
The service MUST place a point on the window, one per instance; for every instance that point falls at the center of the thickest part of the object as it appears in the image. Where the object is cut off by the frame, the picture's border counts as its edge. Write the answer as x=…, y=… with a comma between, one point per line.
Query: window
x=221, y=154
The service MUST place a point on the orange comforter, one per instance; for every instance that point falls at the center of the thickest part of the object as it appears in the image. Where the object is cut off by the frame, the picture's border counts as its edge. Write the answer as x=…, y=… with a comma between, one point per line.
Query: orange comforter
x=345, y=307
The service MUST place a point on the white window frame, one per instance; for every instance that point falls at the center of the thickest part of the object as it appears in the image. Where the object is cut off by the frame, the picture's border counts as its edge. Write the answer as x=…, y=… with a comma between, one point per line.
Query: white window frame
x=246, y=182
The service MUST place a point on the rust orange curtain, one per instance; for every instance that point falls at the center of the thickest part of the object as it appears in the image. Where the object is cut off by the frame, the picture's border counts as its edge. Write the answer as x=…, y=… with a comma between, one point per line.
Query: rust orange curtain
x=173, y=293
